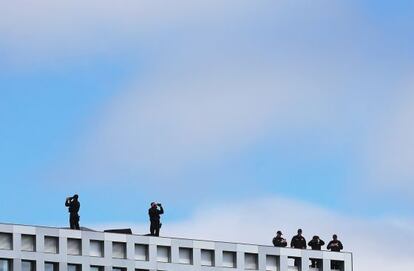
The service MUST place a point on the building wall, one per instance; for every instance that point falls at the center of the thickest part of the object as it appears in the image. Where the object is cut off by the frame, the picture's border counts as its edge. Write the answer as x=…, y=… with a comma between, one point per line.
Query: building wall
x=162, y=253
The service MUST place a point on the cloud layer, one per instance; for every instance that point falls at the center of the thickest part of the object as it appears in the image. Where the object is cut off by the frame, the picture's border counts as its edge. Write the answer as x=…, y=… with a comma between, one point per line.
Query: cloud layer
x=376, y=244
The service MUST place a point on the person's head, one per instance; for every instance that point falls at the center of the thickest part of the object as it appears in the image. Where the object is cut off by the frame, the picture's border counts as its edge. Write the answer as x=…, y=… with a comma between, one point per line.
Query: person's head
x=300, y=232
x=153, y=204
x=75, y=197
x=279, y=233
x=335, y=237
x=315, y=237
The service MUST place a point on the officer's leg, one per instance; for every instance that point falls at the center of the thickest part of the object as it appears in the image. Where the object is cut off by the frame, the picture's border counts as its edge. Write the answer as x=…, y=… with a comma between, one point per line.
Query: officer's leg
x=152, y=229
x=77, y=222
x=71, y=222
x=157, y=229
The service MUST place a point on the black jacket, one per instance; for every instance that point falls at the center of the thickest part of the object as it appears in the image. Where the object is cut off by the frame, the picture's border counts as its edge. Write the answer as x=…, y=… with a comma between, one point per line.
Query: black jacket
x=298, y=242
x=154, y=213
x=335, y=245
x=316, y=244
x=279, y=242
x=74, y=205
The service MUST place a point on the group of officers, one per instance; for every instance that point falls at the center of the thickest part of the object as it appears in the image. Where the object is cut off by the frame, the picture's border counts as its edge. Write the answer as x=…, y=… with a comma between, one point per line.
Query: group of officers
x=298, y=241
x=154, y=213
x=156, y=210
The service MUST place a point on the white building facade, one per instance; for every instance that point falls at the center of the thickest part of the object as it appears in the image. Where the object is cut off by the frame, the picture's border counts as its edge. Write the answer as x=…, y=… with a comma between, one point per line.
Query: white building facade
x=32, y=248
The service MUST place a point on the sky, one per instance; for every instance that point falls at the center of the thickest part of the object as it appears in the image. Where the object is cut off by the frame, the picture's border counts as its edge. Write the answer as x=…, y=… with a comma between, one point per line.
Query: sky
x=256, y=116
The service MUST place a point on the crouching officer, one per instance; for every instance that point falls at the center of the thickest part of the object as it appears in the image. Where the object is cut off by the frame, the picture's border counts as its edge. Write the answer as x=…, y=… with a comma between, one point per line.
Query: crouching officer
x=73, y=205
x=154, y=214
x=316, y=244
x=279, y=241
x=335, y=245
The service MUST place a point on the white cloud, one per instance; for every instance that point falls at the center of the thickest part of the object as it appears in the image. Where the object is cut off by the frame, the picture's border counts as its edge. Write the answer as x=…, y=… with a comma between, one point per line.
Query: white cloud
x=376, y=244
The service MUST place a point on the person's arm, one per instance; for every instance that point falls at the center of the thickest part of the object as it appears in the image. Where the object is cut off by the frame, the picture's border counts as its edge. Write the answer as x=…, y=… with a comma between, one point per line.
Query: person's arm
x=329, y=245
x=340, y=245
x=310, y=243
x=161, y=210
x=67, y=202
x=292, y=243
x=321, y=242
x=304, y=243
x=274, y=241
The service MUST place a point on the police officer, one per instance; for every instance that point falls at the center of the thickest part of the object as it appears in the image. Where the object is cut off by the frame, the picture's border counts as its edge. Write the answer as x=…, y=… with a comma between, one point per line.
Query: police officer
x=298, y=241
x=279, y=241
x=154, y=214
x=335, y=245
x=316, y=244
x=73, y=205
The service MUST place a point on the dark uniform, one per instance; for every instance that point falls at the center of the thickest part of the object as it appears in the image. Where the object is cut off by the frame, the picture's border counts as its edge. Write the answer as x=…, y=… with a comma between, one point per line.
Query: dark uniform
x=279, y=241
x=335, y=245
x=74, y=206
x=154, y=215
x=316, y=244
x=298, y=241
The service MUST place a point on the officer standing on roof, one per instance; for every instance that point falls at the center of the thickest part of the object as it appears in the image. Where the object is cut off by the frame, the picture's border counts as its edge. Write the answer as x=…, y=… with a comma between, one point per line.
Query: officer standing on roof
x=74, y=206
x=154, y=214
x=279, y=241
x=335, y=245
x=298, y=241
x=316, y=244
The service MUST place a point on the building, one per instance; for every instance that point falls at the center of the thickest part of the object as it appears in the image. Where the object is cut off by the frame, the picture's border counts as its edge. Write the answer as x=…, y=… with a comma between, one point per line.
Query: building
x=32, y=248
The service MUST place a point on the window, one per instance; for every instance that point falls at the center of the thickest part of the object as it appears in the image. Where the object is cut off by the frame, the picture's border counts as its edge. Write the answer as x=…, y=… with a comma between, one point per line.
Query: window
x=28, y=242
x=74, y=246
x=141, y=252
x=5, y=265
x=119, y=269
x=6, y=241
x=51, y=244
x=49, y=266
x=96, y=268
x=251, y=261
x=118, y=250
x=28, y=265
x=271, y=263
x=74, y=267
x=207, y=257
x=96, y=248
x=229, y=259
x=186, y=255
x=163, y=254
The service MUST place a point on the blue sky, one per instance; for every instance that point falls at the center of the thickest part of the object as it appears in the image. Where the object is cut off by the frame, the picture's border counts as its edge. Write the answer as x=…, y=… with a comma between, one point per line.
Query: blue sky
x=208, y=104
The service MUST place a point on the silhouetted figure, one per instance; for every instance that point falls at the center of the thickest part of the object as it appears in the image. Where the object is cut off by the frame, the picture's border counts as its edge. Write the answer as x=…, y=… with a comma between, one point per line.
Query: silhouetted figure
x=279, y=241
x=298, y=241
x=316, y=244
x=335, y=245
x=154, y=215
x=74, y=206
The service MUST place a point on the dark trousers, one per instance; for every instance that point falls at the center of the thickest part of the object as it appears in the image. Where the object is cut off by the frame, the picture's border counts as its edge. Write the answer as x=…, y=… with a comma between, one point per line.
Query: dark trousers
x=155, y=228
x=335, y=265
x=74, y=221
x=298, y=263
x=315, y=263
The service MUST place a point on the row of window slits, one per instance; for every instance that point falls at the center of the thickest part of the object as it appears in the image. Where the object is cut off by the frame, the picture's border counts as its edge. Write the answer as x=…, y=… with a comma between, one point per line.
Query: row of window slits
x=26, y=265
x=96, y=249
